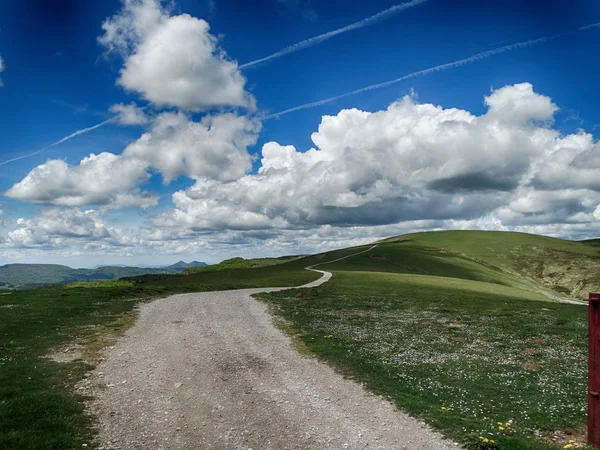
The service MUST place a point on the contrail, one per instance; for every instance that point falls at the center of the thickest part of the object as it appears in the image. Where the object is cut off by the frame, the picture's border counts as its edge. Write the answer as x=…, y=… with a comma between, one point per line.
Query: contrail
x=66, y=138
x=446, y=66
x=323, y=37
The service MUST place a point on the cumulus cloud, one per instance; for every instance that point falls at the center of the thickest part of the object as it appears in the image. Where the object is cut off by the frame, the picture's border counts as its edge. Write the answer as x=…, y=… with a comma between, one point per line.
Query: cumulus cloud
x=519, y=104
x=213, y=148
x=68, y=232
x=410, y=162
x=104, y=179
x=130, y=114
x=58, y=227
x=369, y=175
x=173, y=61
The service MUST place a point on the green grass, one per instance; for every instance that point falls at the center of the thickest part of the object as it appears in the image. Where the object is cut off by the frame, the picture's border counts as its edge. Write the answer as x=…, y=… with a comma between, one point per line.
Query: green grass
x=38, y=407
x=241, y=263
x=592, y=242
x=99, y=284
x=450, y=325
x=275, y=275
x=463, y=355
x=537, y=263
x=414, y=259
x=567, y=267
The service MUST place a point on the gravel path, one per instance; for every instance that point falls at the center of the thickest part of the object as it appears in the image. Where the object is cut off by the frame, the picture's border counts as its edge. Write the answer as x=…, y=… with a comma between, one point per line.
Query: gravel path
x=211, y=371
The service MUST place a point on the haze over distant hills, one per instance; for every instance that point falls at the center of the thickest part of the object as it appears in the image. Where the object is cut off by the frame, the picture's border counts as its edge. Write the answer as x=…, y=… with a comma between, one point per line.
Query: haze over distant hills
x=182, y=265
x=27, y=276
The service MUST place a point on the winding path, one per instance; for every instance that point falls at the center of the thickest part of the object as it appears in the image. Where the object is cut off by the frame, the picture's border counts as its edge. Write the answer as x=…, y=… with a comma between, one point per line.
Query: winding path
x=211, y=371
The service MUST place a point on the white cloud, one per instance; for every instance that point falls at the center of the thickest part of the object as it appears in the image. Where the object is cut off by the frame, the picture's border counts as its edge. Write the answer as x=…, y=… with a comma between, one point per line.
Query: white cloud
x=370, y=175
x=1, y=70
x=519, y=104
x=87, y=235
x=104, y=179
x=410, y=162
x=215, y=147
x=130, y=114
x=173, y=61
x=59, y=227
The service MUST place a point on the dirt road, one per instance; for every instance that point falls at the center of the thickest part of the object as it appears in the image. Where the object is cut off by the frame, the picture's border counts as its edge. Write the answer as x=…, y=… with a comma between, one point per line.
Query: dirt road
x=211, y=371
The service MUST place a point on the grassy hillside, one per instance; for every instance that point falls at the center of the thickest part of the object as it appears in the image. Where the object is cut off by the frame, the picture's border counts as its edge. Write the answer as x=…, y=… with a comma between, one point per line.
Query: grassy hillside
x=537, y=263
x=478, y=361
x=232, y=278
x=16, y=276
x=241, y=263
x=39, y=406
x=593, y=242
x=450, y=325
x=453, y=327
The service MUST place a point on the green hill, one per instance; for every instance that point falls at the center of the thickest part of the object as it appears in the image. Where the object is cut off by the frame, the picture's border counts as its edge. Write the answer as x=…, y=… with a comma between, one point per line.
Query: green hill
x=30, y=275
x=555, y=267
x=460, y=329
x=592, y=242
x=240, y=263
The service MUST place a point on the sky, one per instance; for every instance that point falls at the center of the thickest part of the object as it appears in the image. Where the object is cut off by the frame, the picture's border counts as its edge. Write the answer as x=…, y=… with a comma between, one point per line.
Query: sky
x=148, y=131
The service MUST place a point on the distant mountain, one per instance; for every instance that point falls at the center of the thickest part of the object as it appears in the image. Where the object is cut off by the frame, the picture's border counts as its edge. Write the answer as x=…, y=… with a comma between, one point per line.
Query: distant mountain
x=181, y=265
x=116, y=265
x=27, y=276
x=19, y=276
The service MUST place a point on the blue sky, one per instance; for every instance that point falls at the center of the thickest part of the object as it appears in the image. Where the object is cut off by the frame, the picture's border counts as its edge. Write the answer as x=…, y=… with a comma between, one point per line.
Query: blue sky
x=59, y=77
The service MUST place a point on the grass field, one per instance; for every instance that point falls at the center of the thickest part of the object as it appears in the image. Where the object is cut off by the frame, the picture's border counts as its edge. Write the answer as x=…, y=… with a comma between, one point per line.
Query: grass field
x=38, y=407
x=463, y=355
x=459, y=328
x=536, y=263
x=456, y=327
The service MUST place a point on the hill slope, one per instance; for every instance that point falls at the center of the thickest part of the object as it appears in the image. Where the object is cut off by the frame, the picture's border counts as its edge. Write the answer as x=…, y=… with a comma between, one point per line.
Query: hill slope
x=557, y=267
x=453, y=327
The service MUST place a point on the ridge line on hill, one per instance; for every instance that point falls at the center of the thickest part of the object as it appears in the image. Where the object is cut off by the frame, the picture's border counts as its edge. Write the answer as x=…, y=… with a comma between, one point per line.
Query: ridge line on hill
x=339, y=259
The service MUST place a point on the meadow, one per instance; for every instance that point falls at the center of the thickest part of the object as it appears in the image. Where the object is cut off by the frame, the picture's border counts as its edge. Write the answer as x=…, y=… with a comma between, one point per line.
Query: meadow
x=39, y=404
x=488, y=365
x=456, y=328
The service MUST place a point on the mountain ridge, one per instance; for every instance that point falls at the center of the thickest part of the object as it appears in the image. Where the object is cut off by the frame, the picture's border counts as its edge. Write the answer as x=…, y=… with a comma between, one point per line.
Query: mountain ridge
x=27, y=276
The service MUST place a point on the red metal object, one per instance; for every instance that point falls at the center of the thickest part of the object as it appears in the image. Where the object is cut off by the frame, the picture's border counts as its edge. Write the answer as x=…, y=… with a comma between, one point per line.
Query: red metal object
x=594, y=370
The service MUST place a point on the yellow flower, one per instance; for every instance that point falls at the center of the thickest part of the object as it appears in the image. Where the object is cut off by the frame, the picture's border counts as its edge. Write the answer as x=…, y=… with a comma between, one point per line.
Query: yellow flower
x=486, y=440
x=500, y=424
x=501, y=428
x=568, y=446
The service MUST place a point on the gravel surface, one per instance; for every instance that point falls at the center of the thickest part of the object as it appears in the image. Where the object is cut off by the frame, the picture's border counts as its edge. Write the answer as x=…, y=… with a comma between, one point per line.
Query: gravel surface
x=211, y=371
